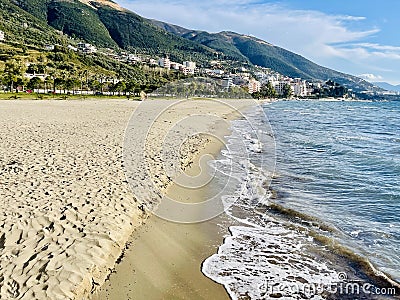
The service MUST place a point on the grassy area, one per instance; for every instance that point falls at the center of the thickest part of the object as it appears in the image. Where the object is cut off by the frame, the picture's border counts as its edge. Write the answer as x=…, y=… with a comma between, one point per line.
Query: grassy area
x=35, y=96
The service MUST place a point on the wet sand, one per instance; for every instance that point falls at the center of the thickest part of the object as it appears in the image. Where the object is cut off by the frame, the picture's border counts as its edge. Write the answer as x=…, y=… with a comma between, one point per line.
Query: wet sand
x=164, y=258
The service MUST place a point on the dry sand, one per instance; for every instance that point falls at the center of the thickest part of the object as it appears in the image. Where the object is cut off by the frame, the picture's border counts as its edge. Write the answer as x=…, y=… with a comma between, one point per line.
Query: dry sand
x=67, y=210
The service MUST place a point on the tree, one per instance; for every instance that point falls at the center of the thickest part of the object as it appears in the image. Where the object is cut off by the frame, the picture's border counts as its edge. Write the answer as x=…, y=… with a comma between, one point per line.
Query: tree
x=47, y=83
x=13, y=71
x=95, y=85
x=119, y=87
x=71, y=83
x=34, y=83
x=287, y=91
x=268, y=91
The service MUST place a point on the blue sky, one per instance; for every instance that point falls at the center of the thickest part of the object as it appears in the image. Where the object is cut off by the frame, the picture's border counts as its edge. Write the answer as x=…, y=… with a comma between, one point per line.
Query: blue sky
x=353, y=36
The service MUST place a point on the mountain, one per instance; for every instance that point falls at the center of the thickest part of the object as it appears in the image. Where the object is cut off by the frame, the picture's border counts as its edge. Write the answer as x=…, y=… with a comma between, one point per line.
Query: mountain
x=25, y=28
x=106, y=24
x=388, y=86
x=262, y=53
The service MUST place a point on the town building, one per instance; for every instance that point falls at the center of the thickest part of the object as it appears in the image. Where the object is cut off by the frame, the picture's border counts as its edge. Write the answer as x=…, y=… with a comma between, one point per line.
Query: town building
x=70, y=47
x=186, y=71
x=152, y=62
x=189, y=67
x=165, y=63
x=86, y=48
x=254, y=86
x=49, y=47
x=190, y=64
x=218, y=72
x=227, y=82
x=41, y=76
x=240, y=80
x=299, y=88
x=176, y=66
x=280, y=85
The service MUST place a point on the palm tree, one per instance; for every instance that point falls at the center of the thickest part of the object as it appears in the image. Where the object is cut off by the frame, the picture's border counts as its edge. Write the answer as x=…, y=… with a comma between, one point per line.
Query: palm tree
x=12, y=72
x=34, y=83
x=83, y=74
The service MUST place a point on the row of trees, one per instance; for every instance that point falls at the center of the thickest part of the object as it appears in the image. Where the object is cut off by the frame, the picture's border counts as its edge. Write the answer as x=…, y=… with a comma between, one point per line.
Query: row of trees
x=329, y=89
x=63, y=72
x=268, y=91
x=200, y=87
x=65, y=82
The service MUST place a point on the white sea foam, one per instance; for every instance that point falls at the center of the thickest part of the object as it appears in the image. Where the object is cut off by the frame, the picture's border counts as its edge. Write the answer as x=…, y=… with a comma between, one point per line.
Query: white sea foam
x=264, y=257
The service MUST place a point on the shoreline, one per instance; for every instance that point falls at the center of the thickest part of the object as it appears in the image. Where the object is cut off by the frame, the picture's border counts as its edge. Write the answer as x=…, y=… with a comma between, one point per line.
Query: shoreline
x=61, y=167
x=72, y=211
x=75, y=144
x=184, y=246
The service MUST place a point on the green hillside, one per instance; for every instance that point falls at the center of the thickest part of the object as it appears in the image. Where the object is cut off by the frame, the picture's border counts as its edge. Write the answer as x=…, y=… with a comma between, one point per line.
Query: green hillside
x=78, y=20
x=261, y=53
x=105, y=24
x=23, y=27
x=218, y=43
x=130, y=31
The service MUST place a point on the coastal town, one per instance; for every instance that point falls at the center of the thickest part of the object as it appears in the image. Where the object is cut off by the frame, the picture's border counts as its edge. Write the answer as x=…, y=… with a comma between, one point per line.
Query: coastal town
x=258, y=81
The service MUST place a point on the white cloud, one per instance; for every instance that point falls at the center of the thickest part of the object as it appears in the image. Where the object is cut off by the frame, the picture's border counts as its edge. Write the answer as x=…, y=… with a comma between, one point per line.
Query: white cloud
x=371, y=77
x=330, y=40
x=310, y=33
x=351, y=18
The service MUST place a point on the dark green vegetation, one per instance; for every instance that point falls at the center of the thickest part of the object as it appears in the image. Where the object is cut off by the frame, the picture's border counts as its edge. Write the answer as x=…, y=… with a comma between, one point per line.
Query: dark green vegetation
x=267, y=91
x=331, y=89
x=107, y=26
x=23, y=27
x=200, y=87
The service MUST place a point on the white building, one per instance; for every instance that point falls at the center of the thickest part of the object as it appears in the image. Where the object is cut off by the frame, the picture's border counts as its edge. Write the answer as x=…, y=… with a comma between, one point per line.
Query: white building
x=186, y=70
x=299, y=88
x=2, y=36
x=254, y=86
x=279, y=86
x=190, y=64
x=49, y=47
x=70, y=47
x=86, y=48
x=227, y=82
x=41, y=76
x=217, y=72
x=152, y=62
x=189, y=67
x=165, y=63
x=134, y=58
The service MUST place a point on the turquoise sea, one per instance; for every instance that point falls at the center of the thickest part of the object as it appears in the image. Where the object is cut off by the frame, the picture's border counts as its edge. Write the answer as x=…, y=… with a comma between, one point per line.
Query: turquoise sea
x=332, y=214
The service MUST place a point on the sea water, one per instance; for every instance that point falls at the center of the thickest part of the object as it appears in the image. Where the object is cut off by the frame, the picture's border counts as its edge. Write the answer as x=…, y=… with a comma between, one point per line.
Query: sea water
x=336, y=182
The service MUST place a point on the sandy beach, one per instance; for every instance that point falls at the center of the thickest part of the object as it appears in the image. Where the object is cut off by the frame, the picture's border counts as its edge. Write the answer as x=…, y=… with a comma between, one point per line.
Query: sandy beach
x=68, y=211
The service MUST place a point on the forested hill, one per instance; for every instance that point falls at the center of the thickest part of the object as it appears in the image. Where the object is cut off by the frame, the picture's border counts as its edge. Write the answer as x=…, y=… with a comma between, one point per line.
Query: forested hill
x=262, y=53
x=106, y=24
